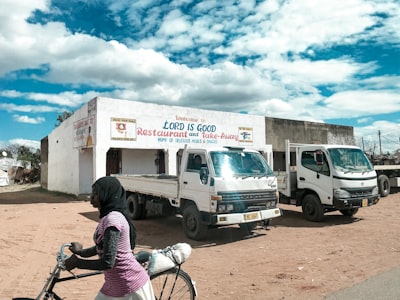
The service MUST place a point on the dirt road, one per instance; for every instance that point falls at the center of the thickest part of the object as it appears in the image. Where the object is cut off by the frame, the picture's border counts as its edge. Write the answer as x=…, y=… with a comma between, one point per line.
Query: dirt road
x=292, y=259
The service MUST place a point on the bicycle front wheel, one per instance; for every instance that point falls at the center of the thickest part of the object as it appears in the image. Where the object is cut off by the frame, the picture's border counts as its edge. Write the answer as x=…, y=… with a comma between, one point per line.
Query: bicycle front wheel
x=173, y=284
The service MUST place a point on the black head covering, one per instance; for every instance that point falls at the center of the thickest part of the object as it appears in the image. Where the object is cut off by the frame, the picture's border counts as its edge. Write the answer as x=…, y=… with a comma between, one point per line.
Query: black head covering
x=112, y=198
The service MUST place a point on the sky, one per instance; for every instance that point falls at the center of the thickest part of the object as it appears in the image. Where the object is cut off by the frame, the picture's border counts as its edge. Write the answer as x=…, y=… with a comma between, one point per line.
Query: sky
x=330, y=61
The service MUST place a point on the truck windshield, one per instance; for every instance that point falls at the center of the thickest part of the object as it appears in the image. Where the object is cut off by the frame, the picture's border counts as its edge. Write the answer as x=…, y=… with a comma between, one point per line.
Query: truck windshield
x=238, y=163
x=349, y=160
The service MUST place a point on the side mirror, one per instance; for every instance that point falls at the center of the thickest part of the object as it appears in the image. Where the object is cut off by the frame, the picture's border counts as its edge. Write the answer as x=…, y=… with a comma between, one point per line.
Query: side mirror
x=319, y=157
x=204, y=175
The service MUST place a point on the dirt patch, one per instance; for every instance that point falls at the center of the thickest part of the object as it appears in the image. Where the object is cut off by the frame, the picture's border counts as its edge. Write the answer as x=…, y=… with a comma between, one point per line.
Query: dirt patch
x=291, y=259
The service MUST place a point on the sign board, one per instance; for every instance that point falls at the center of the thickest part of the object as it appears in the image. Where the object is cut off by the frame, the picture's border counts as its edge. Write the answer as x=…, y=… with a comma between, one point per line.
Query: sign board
x=193, y=131
x=84, y=133
x=123, y=129
x=133, y=124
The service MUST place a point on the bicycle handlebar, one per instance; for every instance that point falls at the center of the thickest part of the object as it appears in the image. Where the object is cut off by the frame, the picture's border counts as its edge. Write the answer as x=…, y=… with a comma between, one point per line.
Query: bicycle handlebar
x=61, y=256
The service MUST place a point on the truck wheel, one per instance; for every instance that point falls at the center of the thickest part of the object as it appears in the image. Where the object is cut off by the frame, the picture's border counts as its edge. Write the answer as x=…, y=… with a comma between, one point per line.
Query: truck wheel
x=312, y=208
x=349, y=212
x=135, y=210
x=192, y=225
x=383, y=185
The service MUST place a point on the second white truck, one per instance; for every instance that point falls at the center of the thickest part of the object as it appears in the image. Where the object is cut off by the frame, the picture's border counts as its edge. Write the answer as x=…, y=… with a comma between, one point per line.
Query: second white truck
x=214, y=187
x=324, y=178
x=388, y=177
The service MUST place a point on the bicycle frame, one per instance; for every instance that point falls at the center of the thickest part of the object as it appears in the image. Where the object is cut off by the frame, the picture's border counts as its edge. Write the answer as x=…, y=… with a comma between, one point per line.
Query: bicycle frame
x=167, y=288
x=55, y=276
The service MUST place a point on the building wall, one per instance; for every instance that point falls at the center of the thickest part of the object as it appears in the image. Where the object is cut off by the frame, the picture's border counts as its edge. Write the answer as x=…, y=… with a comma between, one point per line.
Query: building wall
x=278, y=130
x=44, y=156
x=304, y=132
x=74, y=162
x=139, y=161
x=63, y=159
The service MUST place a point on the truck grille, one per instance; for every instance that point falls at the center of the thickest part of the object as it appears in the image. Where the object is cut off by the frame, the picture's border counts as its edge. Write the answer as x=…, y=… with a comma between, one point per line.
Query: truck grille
x=360, y=192
x=250, y=200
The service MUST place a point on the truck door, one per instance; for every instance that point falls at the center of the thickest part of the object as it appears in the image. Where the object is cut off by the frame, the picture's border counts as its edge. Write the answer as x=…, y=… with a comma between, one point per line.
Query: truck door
x=195, y=181
x=313, y=172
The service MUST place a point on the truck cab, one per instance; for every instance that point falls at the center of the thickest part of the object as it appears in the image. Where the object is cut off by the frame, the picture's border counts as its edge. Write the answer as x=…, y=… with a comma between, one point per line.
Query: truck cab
x=328, y=178
x=225, y=186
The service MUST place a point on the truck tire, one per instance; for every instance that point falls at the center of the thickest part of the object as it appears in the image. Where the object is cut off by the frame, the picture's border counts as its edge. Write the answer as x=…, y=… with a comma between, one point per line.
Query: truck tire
x=192, y=223
x=312, y=208
x=134, y=209
x=383, y=185
x=349, y=212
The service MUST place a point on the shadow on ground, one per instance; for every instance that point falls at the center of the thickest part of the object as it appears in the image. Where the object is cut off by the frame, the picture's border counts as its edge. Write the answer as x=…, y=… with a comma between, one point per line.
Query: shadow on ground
x=36, y=195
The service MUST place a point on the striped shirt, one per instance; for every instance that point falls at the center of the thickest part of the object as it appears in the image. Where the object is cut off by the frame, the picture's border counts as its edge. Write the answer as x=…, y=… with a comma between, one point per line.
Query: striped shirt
x=127, y=275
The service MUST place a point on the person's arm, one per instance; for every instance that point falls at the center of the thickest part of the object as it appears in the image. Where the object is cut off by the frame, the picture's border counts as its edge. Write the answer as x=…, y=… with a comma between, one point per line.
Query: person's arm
x=77, y=249
x=107, y=261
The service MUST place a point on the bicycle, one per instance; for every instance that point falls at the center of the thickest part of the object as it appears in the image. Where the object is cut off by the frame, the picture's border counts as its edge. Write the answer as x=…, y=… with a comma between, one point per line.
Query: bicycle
x=172, y=283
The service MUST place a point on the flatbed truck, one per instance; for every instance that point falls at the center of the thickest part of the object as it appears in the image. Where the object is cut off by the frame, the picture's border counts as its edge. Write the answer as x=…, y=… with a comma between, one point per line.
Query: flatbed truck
x=229, y=185
x=325, y=178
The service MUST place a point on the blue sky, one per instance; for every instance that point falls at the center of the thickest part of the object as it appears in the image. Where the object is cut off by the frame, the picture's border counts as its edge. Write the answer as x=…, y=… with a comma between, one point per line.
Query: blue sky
x=324, y=61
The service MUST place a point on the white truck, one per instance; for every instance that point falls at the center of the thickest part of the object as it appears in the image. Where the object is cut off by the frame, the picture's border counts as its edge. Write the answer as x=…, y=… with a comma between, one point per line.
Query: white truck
x=229, y=186
x=388, y=177
x=324, y=178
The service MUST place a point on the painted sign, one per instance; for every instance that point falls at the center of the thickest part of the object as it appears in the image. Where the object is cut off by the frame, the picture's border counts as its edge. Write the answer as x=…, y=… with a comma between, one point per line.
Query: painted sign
x=188, y=130
x=246, y=135
x=84, y=132
x=123, y=129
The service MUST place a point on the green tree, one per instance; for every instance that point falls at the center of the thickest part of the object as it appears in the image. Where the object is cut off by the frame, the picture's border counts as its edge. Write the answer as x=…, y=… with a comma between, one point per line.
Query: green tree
x=61, y=118
x=30, y=155
x=23, y=153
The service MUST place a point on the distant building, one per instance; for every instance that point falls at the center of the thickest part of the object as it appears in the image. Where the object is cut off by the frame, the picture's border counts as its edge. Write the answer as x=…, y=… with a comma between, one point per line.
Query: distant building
x=6, y=163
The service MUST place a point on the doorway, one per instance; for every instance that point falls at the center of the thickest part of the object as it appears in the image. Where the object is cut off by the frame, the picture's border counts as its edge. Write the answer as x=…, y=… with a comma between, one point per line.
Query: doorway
x=113, y=162
x=160, y=162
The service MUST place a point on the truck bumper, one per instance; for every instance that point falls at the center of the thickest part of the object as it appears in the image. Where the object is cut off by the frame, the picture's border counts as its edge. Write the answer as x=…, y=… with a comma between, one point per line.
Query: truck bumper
x=254, y=216
x=355, y=202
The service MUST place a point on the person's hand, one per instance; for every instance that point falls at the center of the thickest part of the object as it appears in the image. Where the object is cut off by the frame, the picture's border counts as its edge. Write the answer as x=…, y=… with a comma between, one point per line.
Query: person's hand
x=71, y=262
x=75, y=247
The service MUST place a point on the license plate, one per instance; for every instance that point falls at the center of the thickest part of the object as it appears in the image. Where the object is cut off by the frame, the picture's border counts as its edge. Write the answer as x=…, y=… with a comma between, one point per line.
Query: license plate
x=364, y=202
x=251, y=216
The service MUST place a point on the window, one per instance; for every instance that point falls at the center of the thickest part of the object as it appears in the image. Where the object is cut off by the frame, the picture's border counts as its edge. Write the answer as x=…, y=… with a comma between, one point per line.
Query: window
x=308, y=161
x=195, y=162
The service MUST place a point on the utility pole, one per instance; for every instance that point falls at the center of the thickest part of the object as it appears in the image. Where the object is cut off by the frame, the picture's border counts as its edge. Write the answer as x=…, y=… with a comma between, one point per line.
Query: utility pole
x=380, y=145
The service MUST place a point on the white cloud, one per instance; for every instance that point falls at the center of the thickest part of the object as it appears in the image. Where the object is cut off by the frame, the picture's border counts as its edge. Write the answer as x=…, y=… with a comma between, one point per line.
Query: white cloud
x=27, y=119
x=174, y=23
x=362, y=103
x=66, y=99
x=364, y=120
x=379, y=137
x=277, y=108
x=25, y=142
x=260, y=57
x=11, y=107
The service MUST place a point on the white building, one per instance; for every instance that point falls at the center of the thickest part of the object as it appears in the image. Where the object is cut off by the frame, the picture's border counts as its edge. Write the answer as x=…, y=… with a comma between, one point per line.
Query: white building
x=108, y=136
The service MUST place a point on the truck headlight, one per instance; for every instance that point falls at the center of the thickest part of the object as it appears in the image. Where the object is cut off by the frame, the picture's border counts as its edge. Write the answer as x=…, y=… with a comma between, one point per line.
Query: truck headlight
x=375, y=191
x=225, y=208
x=341, y=194
x=271, y=204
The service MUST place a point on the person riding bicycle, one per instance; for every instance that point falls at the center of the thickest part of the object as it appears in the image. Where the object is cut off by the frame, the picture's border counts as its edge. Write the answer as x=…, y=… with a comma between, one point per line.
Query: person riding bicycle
x=125, y=278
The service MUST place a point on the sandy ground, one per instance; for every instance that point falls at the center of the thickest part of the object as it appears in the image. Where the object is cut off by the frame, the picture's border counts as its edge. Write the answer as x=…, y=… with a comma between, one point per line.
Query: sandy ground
x=292, y=259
